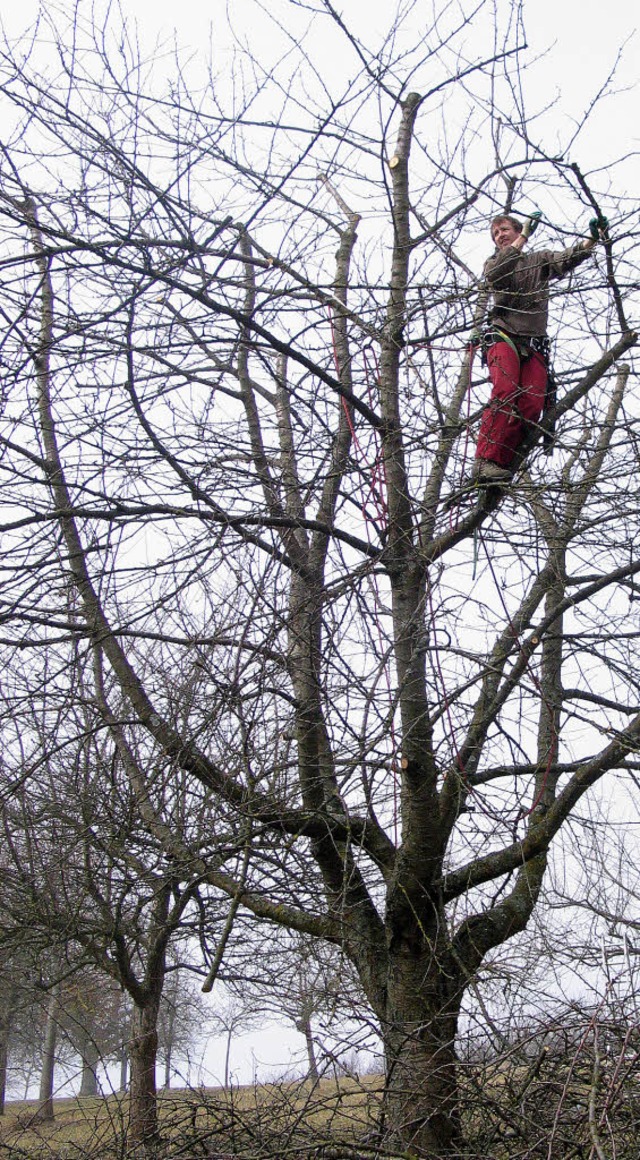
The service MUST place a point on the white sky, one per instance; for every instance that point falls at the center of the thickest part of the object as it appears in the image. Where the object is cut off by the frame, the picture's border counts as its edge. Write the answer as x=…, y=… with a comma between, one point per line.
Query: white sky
x=582, y=36
x=573, y=44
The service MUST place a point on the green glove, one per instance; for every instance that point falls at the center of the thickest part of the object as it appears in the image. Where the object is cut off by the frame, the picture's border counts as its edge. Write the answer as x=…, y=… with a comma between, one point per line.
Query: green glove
x=475, y=338
x=534, y=220
x=598, y=227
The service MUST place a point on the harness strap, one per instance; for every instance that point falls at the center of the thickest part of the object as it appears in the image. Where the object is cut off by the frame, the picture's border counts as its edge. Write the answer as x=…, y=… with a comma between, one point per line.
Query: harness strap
x=490, y=336
x=521, y=345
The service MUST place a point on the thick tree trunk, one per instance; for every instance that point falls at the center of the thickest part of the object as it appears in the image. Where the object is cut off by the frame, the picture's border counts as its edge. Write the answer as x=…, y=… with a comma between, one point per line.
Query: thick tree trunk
x=143, y=1050
x=421, y=1092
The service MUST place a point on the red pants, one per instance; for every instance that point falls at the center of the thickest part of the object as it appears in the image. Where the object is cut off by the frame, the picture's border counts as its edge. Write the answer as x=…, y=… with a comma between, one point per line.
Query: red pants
x=517, y=399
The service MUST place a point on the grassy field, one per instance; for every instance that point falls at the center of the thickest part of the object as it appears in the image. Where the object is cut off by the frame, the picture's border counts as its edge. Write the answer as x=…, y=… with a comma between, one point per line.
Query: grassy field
x=549, y=1107
x=268, y=1121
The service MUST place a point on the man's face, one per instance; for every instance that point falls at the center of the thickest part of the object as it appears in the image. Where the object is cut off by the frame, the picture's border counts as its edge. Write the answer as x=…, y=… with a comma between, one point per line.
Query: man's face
x=504, y=234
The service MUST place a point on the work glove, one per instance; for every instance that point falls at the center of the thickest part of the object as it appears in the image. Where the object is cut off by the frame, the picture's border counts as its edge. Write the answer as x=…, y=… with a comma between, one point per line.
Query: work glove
x=598, y=227
x=475, y=338
x=531, y=224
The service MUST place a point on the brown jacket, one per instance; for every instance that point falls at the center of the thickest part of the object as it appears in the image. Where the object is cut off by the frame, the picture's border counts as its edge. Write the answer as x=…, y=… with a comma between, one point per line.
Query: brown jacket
x=520, y=285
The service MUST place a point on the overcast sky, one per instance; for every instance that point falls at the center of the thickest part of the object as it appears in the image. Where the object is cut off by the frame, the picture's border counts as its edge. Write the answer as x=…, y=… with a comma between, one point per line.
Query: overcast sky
x=574, y=44
x=583, y=36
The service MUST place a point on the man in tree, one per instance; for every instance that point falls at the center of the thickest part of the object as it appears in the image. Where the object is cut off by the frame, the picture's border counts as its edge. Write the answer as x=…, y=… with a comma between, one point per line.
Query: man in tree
x=515, y=343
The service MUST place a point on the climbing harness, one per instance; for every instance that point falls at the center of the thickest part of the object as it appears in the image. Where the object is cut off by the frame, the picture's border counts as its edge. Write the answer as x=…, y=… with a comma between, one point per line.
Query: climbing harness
x=522, y=345
x=525, y=346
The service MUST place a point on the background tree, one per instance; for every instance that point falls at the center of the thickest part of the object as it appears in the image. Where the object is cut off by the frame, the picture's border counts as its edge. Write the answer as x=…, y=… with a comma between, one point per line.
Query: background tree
x=308, y=984
x=9, y=991
x=86, y=879
x=236, y=398
x=91, y=1016
x=184, y=1021
x=22, y=1045
x=44, y=1111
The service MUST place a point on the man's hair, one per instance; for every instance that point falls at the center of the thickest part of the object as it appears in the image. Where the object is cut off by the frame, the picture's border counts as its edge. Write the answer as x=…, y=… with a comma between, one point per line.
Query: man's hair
x=505, y=217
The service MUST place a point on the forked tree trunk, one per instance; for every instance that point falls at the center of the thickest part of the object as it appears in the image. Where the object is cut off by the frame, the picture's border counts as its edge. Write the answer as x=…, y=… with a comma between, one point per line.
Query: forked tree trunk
x=143, y=1051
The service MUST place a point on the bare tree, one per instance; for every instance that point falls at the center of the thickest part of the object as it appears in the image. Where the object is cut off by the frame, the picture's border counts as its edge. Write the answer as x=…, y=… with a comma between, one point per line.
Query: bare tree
x=237, y=394
x=9, y=991
x=44, y=1111
x=233, y=1016
x=91, y=1017
x=21, y=1025
x=84, y=877
x=310, y=985
x=183, y=1021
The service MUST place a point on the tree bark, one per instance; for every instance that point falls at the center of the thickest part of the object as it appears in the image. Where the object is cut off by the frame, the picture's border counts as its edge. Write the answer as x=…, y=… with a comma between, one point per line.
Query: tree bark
x=419, y=1032
x=143, y=1050
x=4, y=1055
x=44, y=1111
x=304, y=1027
x=90, y=1057
x=124, y=1069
